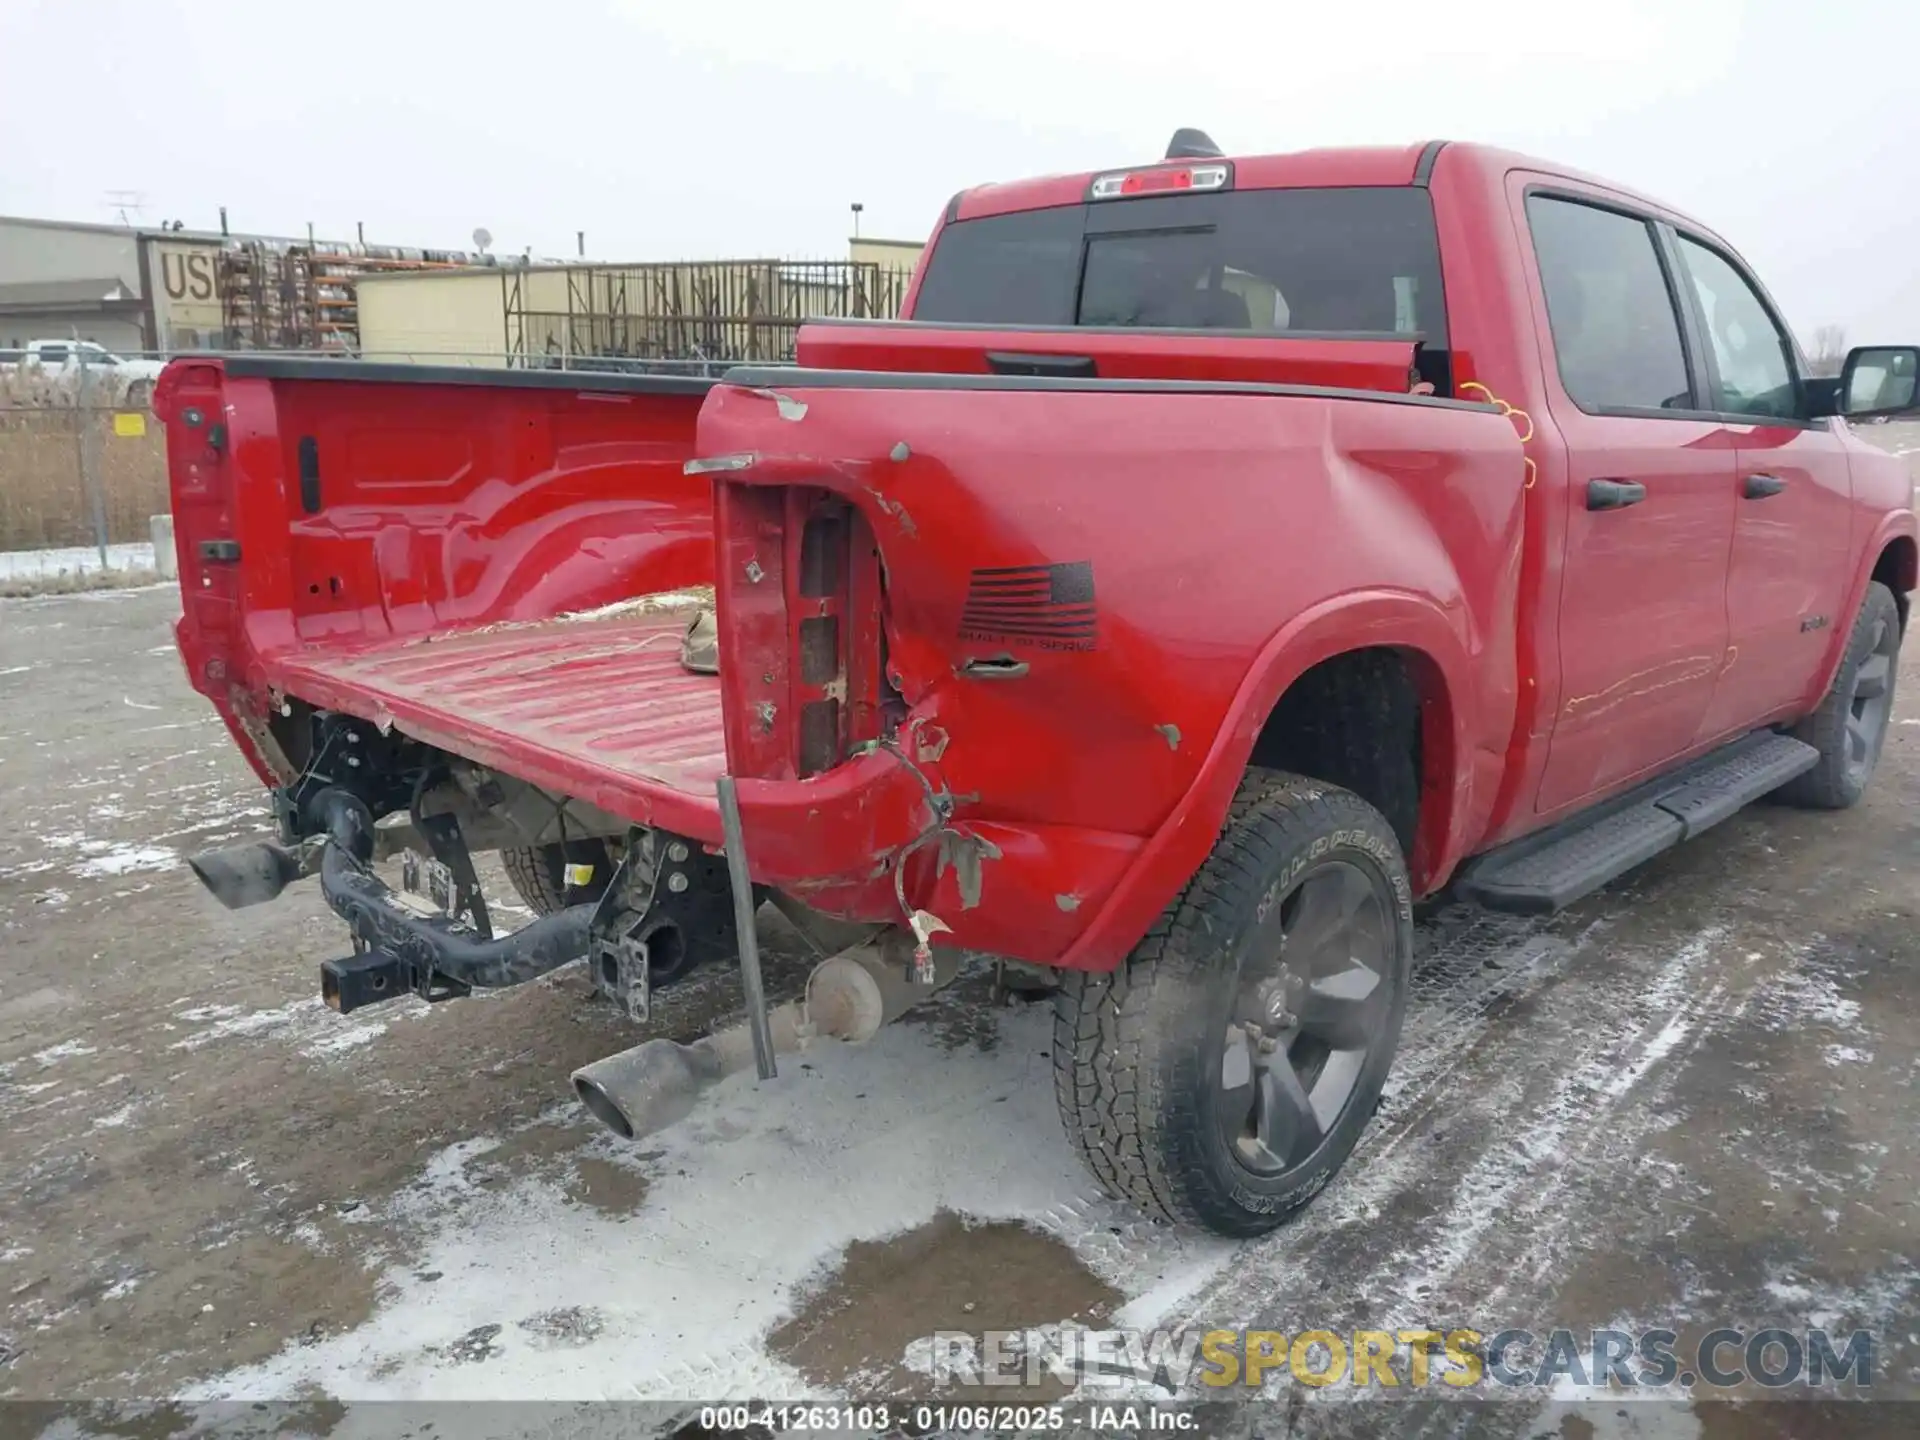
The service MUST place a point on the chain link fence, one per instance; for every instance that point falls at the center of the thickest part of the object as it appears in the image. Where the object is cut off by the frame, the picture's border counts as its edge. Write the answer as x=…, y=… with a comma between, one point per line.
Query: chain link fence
x=82, y=465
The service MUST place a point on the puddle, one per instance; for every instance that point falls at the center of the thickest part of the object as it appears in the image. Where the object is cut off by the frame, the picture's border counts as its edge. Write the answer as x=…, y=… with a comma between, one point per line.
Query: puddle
x=851, y=1334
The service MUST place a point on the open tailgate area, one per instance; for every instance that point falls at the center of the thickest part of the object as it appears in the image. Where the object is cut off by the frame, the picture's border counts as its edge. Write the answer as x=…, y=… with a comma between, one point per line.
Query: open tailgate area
x=597, y=708
x=460, y=553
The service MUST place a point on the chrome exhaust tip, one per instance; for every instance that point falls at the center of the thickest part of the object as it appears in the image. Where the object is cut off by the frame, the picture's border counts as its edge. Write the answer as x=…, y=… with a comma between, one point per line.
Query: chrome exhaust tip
x=647, y=1088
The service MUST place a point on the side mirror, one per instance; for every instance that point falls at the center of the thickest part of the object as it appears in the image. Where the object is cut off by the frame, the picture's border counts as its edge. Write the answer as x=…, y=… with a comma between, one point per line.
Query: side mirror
x=1880, y=380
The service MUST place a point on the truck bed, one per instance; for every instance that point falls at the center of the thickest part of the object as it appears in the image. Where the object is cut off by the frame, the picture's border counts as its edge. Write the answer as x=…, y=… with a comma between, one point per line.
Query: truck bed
x=457, y=553
x=597, y=708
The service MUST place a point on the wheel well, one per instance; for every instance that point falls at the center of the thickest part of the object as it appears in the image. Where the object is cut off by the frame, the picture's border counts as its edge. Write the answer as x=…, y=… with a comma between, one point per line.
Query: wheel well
x=1355, y=721
x=1898, y=568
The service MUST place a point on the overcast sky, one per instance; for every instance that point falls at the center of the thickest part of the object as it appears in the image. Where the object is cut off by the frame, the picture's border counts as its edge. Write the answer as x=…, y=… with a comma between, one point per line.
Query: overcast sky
x=734, y=127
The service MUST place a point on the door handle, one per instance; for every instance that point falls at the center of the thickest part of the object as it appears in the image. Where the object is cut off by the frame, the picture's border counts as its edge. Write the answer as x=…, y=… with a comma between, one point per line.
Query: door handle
x=1614, y=494
x=1758, y=487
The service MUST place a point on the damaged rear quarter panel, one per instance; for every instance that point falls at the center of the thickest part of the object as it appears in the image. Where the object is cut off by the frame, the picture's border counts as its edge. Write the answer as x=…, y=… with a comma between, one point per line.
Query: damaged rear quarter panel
x=1194, y=529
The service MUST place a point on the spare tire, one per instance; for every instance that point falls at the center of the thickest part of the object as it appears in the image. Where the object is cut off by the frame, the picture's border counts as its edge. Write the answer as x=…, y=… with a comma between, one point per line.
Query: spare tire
x=538, y=873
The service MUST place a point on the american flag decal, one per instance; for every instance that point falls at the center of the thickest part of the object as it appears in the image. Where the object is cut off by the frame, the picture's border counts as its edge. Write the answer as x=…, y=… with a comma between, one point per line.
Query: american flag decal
x=1050, y=605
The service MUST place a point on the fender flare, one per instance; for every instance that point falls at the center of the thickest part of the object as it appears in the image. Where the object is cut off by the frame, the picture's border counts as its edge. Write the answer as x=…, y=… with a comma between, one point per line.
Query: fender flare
x=1358, y=620
x=1895, y=525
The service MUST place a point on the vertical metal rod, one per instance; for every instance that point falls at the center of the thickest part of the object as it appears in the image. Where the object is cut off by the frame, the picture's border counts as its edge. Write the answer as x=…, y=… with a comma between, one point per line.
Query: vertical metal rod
x=83, y=436
x=735, y=846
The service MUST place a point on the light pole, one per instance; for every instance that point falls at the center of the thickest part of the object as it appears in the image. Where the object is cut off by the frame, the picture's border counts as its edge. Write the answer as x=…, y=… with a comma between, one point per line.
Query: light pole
x=857, y=208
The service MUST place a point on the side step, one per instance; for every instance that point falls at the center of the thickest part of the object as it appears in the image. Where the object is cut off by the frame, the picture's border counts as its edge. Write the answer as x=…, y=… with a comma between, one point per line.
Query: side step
x=1544, y=872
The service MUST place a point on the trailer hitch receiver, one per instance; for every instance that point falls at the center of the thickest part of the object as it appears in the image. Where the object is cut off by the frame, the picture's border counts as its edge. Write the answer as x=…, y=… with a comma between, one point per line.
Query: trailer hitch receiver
x=376, y=975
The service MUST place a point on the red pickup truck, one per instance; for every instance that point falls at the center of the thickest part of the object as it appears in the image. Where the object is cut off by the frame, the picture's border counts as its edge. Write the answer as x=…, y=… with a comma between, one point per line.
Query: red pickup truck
x=1225, y=554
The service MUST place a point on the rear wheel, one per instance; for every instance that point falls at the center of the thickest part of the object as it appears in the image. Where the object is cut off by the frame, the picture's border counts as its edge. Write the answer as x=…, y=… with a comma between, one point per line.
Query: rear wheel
x=1226, y=1070
x=538, y=873
x=1850, y=727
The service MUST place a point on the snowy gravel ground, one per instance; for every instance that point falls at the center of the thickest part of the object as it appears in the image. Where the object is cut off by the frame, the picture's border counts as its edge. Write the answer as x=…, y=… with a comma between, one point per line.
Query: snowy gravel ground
x=1686, y=1102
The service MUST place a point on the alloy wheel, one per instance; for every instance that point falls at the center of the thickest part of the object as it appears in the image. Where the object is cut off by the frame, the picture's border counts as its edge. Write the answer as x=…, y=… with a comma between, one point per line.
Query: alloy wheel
x=1311, y=1007
x=1871, y=706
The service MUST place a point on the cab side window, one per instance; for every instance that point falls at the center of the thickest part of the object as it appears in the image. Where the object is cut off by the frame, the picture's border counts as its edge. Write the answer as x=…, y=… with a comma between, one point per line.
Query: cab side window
x=1616, y=334
x=1753, y=355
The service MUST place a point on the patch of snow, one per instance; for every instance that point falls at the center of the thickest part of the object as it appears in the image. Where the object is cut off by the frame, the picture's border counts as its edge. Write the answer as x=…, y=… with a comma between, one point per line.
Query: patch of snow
x=120, y=1289
x=348, y=1037
x=73, y=560
x=1508, y=1177
x=308, y=1234
x=209, y=1012
x=1803, y=997
x=1655, y=1050
x=921, y=1357
x=1838, y=1055
x=701, y=1259
x=115, y=1119
x=1158, y=1301
x=65, y=1050
x=125, y=859
x=307, y=1024
x=249, y=1022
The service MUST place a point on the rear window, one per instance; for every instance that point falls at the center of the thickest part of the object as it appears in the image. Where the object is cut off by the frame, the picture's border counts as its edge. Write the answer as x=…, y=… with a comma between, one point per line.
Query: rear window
x=1348, y=261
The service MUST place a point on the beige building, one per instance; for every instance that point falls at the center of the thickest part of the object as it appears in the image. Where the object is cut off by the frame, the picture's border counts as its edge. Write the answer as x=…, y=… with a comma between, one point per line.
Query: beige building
x=888, y=254
x=446, y=317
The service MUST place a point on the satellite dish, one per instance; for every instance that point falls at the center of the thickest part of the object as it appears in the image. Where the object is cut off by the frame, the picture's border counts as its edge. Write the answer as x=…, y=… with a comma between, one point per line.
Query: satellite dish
x=482, y=238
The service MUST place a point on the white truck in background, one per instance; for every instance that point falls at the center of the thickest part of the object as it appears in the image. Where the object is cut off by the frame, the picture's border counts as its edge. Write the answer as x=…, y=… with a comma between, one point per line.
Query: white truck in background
x=52, y=369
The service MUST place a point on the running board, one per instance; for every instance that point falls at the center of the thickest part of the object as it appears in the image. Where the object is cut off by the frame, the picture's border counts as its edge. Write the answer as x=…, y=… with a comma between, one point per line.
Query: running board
x=1545, y=872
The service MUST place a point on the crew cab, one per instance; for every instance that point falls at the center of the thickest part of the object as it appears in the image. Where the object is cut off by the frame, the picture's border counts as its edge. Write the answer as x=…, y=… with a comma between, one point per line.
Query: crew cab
x=1223, y=554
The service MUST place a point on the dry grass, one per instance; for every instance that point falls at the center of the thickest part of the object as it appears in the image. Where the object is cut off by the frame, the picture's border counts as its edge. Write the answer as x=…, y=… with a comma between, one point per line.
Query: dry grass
x=72, y=582
x=42, y=500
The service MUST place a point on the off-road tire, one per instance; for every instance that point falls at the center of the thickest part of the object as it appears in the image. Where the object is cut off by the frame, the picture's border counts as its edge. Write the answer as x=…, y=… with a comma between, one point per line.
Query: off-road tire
x=1135, y=1050
x=538, y=873
x=1834, y=784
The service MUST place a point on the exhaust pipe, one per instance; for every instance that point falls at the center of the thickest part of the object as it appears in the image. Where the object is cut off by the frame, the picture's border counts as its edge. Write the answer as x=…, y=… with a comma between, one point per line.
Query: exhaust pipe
x=849, y=996
x=243, y=875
